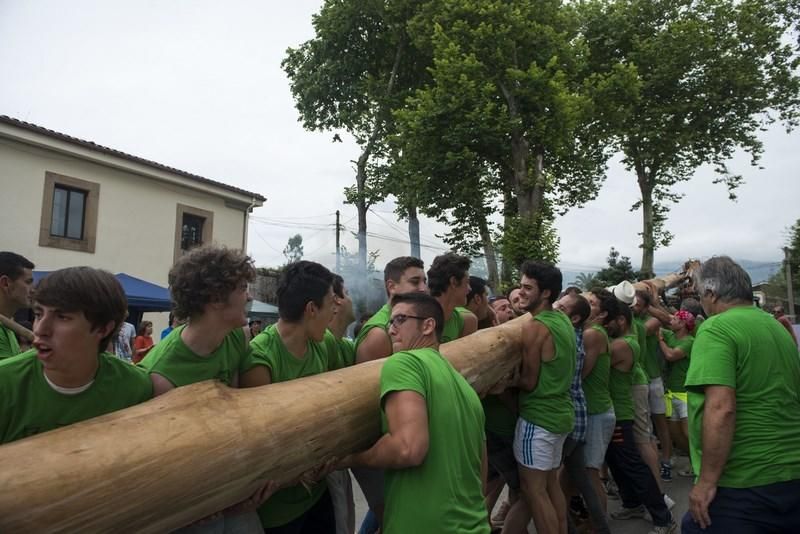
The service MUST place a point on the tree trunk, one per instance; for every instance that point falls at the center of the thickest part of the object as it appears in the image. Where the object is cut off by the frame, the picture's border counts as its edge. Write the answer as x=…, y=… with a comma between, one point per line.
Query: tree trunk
x=413, y=231
x=520, y=152
x=489, y=254
x=648, y=244
x=509, y=210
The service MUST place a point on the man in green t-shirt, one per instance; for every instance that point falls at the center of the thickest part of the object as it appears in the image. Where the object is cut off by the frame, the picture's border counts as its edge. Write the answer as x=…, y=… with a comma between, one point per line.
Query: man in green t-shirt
x=546, y=412
x=676, y=345
x=401, y=275
x=208, y=286
x=448, y=280
x=433, y=480
x=16, y=285
x=292, y=348
x=405, y=274
x=68, y=377
x=638, y=488
x=744, y=412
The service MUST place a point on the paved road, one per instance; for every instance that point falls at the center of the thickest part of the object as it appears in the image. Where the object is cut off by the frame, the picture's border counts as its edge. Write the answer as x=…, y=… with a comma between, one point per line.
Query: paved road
x=678, y=489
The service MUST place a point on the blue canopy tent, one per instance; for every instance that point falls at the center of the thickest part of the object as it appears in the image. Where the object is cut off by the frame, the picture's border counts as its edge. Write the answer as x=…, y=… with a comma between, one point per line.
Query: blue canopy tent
x=141, y=294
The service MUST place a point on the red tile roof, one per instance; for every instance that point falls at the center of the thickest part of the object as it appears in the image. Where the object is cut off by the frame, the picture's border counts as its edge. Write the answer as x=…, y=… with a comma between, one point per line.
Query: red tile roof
x=110, y=151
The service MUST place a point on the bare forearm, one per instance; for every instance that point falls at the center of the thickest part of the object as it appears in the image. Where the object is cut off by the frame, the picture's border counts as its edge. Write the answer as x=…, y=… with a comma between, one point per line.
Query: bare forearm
x=389, y=452
x=661, y=314
x=719, y=422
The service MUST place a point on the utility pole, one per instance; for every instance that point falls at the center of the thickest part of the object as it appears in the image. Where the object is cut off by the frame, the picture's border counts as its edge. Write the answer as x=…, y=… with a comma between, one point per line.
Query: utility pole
x=338, y=248
x=789, y=290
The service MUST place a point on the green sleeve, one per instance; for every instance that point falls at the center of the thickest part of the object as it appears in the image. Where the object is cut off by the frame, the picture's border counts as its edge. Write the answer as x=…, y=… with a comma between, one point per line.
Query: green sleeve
x=685, y=345
x=331, y=347
x=714, y=361
x=402, y=372
x=260, y=354
x=8, y=343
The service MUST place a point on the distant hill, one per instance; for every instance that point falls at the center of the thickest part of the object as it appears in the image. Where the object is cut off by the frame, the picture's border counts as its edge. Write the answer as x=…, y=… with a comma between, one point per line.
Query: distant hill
x=759, y=271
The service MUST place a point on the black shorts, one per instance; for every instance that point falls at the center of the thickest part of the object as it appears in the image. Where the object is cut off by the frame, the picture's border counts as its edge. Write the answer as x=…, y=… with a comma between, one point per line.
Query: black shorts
x=500, y=453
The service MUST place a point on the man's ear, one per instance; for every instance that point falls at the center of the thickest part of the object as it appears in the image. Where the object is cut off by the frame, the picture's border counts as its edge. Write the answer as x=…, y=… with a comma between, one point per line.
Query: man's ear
x=429, y=326
x=390, y=286
x=454, y=281
x=5, y=281
x=546, y=294
x=311, y=309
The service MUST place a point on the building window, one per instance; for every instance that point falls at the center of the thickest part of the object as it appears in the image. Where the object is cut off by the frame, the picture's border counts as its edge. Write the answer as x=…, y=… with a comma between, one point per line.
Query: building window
x=193, y=227
x=191, y=231
x=69, y=213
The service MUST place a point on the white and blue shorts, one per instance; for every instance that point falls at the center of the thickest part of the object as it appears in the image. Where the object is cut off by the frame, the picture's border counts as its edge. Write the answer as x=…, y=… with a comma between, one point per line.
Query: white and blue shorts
x=537, y=448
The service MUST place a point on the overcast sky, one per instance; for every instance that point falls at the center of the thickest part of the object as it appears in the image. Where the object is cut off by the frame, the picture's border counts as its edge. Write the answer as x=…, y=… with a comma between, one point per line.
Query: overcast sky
x=197, y=85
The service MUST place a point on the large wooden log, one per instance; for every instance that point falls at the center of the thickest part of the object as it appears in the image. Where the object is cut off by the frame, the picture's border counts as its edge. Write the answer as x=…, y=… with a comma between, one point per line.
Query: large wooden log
x=198, y=449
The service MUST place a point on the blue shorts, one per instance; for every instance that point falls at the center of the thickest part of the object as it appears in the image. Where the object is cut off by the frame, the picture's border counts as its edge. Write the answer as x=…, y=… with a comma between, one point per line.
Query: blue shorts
x=599, y=429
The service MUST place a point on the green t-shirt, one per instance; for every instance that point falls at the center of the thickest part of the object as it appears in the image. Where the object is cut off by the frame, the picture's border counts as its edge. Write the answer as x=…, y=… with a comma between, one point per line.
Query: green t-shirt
x=176, y=362
x=450, y=476
x=747, y=349
x=651, y=357
x=640, y=377
x=550, y=404
x=454, y=325
x=343, y=351
x=676, y=371
x=595, y=385
x=268, y=349
x=8, y=343
x=31, y=406
x=347, y=351
x=619, y=385
x=500, y=419
x=379, y=320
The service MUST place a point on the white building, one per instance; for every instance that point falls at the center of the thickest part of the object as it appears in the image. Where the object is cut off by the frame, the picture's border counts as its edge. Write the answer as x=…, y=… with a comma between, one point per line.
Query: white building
x=69, y=202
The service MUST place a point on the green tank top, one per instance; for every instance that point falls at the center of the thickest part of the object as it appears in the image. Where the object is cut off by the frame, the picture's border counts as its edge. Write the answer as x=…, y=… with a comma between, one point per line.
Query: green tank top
x=651, y=361
x=639, y=375
x=595, y=385
x=550, y=404
x=453, y=325
x=619, y=384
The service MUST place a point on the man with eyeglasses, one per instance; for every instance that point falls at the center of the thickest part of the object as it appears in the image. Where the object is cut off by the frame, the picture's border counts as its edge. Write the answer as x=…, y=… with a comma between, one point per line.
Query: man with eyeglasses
x=434, y=483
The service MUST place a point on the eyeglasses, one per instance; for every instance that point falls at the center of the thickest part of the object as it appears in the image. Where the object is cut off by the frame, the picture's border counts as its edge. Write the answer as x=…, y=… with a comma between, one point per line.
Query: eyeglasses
x=400, y=318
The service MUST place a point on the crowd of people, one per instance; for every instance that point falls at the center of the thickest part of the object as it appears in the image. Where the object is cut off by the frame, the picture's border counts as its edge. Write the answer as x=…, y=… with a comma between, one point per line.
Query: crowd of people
x=611, y=381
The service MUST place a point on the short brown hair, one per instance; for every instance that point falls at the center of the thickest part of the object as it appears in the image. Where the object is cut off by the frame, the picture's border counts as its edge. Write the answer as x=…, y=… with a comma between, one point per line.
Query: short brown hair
x=206, y=275
x=143, y=327
x=96, y=293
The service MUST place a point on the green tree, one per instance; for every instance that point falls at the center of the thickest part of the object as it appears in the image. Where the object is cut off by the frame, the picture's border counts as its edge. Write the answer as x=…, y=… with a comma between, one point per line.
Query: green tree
x=350, y=76
x=710, y=75
x=509, y=114
x=619, y=269
x=293, y=251
x=586, y=281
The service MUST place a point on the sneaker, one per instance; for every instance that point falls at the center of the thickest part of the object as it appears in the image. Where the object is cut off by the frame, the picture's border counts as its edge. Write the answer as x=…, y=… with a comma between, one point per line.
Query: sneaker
x=611, y=489
x=688, y=473
x=629, y=513
x=669, y=502
x=666, y=472
x=666, y=529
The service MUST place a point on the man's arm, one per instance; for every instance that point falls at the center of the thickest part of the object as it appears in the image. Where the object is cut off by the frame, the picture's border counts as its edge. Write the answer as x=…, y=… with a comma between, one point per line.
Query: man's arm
x=470, y=325
x=652, y=326
x=621, y=355
x=376, y=345
x=719, y=423
x=406, y=442
x=671, y=355
x=594, y=344
x=160, y=384
x=533, y=335
x=660, y=314
x=258, y=375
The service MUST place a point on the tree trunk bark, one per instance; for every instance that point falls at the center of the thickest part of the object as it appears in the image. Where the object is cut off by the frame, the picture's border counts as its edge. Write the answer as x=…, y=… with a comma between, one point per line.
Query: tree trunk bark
x=648, y=244
x=489, y=254
x=413, y=232
x=509, y=210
